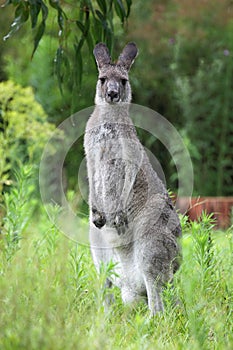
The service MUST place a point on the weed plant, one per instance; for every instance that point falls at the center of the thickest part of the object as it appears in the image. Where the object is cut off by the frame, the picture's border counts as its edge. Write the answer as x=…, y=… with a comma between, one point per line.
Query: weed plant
x=52, y=298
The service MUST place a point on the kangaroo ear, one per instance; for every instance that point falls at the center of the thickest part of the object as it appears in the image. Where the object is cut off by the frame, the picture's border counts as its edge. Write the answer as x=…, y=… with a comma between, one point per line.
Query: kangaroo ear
x=101, y=54
x=128, y=55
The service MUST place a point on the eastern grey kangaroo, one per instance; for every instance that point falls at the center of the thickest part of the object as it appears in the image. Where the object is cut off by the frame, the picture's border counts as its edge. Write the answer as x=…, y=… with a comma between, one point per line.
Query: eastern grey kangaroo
x=132, y=220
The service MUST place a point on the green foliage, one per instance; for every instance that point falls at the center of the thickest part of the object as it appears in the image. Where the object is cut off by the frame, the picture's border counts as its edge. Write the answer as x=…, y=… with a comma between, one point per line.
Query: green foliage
x=92, y=21
x=205, y=99
x=183, y=71
x=203, y=285
x=19, y=206
x=186, y=60
x=52, y=298
x=24, y=129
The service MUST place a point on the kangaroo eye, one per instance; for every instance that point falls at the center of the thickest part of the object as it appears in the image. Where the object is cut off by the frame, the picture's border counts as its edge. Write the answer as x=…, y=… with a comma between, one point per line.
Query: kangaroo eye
x=123, y=81
x=102, y=80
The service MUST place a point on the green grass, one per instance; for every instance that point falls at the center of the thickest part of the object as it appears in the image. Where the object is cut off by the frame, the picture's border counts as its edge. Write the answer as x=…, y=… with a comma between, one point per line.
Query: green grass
x=52, y=298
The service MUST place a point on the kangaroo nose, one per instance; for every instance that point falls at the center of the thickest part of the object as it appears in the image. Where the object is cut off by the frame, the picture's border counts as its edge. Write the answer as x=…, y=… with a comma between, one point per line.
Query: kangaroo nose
x=113, y=95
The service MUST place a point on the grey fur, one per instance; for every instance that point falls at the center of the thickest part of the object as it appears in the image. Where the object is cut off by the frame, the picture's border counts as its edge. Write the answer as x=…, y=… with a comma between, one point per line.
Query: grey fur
x=132, y=220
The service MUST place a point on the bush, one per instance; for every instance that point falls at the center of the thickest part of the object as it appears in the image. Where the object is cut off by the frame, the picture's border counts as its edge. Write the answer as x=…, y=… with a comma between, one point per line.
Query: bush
x=24, y=129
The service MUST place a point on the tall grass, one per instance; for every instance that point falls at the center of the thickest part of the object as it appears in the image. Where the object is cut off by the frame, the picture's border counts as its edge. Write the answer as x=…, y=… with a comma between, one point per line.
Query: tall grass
x=52, y=298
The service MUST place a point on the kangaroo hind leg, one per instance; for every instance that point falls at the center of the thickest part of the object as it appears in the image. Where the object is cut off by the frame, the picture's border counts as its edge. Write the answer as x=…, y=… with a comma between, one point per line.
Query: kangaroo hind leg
x=154, y=296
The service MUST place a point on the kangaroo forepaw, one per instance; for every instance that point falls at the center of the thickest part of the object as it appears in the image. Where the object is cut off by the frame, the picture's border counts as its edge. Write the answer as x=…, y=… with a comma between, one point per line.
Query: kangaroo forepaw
x=98, y=219
x=120, y=222
x=99, y=223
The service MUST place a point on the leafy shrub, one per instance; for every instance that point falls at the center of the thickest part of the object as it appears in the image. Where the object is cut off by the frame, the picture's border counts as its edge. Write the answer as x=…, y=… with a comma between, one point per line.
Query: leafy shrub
x=19, y=207
x=24, y=129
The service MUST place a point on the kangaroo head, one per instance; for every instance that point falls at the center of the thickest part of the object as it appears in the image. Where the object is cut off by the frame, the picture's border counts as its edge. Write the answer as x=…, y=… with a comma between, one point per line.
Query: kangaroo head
x=113, y=83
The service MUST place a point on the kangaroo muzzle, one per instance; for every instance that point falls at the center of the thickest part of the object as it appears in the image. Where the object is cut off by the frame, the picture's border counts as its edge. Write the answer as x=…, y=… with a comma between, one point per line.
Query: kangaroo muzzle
x=113, y=92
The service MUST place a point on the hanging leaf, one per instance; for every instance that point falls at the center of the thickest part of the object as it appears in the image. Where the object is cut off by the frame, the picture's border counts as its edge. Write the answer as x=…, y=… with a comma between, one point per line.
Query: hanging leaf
x=78, y=68
x=35, y=8
x=61, y=67
x=129, y=4
x=103, y=6
x=110, y=2
x=120, y=10
x=38, y=36
x=8, y=2
x=102, y=19
x=81, y=27
x=61, y=16
x=44, y=9
x=21, y=16
x=105, y=31
x=90, y=7
x=41, y=28
x=79, y=61
x=85, y=29
x=57, y=67
x=109, y=41
x=89, y=42
x=97, y=32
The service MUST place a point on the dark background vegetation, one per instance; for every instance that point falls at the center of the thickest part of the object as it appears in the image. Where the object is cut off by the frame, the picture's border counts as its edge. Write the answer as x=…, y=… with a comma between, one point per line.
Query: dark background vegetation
x=184, y=71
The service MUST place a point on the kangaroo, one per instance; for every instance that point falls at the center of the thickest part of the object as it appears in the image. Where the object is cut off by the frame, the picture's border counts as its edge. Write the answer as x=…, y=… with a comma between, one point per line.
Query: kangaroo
x=132, y=219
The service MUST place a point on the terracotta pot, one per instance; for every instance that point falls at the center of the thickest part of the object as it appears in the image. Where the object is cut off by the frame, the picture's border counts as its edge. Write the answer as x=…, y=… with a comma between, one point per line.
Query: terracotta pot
x=221, y=207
